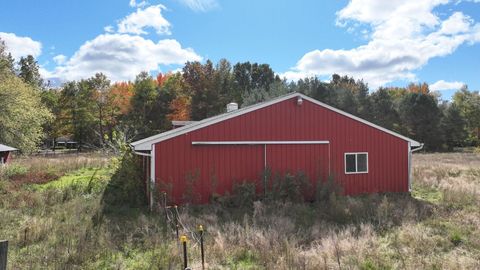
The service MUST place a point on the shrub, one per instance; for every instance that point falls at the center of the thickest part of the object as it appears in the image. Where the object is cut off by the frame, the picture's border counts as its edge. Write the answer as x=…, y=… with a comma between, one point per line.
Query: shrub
x=325, y=188
x=290, y=187
x=456, y=238
x=126, y=187
x=3, y=186
x=368, y=265
x=337, y=209
x=243, y=195
x=191, y=180
x=13, y=170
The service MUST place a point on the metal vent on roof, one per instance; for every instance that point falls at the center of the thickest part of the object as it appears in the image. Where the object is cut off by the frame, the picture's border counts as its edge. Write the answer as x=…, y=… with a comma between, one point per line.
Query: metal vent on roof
x=232, y=107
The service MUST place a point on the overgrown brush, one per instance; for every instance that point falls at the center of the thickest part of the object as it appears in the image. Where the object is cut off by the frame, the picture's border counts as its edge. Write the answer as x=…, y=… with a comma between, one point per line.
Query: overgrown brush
x=67, y=227
x=126, y=187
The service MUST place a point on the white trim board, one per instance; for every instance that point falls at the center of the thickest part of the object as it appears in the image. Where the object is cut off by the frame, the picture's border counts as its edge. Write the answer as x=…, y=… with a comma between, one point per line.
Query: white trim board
x=409, y=153
x=152, y=175
x=145, y=144
x=257, y=142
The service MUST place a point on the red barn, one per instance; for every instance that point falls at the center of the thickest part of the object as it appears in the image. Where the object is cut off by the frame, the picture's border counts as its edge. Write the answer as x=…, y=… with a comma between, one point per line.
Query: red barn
x=288, y=134
x=5, y=153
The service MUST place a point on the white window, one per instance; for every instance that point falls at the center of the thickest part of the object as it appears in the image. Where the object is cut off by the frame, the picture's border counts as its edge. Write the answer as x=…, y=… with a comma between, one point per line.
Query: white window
x=356, y=163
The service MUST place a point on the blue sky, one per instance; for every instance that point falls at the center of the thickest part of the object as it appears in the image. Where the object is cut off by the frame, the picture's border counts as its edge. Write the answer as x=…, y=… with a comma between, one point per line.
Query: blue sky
x=384, y=42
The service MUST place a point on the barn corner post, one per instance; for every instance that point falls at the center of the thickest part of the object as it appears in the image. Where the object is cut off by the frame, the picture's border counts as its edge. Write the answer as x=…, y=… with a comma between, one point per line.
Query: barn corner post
x=265, y=168
x=409, y=157
x=152, y=176
x=410, y=153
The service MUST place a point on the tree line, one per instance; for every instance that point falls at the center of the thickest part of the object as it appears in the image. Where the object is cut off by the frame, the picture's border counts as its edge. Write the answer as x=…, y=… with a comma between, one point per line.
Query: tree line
x=97, y=113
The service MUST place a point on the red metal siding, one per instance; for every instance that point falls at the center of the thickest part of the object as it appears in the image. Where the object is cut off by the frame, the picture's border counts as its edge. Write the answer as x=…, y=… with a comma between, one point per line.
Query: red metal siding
x=177, y=160
x=310, y=159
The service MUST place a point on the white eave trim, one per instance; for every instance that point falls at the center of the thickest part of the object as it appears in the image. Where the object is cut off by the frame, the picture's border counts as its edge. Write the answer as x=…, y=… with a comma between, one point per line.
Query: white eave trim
x=145, y=144
x=257, y=142
x=142, y=154
x=182, y=123
x=4, y=148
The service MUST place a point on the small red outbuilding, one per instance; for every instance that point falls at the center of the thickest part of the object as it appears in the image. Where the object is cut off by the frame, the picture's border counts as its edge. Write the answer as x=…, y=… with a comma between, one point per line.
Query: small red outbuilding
x=5, y=153
x=291, y=133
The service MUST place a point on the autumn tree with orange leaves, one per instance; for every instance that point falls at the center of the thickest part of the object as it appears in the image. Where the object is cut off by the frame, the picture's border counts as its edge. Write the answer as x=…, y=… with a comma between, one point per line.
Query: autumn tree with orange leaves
x=181, y=104
x=120, y=96
x=94, y=111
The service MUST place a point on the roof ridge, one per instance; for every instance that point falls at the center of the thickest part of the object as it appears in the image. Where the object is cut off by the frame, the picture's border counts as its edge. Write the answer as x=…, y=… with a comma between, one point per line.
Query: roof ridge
x=225, y=116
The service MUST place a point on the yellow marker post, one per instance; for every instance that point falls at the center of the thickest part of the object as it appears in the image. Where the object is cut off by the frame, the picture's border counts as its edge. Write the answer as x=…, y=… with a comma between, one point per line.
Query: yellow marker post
x=183, y=239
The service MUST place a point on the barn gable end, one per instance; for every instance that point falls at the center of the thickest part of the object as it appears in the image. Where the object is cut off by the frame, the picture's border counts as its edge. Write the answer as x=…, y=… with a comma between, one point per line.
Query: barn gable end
x=284, y=135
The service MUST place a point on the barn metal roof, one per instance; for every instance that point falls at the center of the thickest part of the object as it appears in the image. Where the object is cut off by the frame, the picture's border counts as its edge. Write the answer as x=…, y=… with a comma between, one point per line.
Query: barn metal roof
x=146, y=144
x=4, y=148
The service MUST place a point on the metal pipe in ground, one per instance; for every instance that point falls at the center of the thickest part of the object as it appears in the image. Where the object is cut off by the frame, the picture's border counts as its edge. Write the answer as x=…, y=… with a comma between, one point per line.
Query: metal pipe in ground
x=176, y=220
x=200, y=230
x=3, y=254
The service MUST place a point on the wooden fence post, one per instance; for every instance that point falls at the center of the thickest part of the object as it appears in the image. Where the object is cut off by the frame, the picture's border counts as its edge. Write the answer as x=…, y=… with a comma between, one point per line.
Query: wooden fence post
x=3, y=254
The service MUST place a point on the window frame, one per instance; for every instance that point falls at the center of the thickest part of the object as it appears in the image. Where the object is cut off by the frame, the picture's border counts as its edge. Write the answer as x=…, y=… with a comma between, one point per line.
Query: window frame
x=356, y=162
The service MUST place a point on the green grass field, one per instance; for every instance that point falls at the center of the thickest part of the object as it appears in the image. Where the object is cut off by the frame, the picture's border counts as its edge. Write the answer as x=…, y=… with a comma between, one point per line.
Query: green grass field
x=61, y=223
x=87, y=178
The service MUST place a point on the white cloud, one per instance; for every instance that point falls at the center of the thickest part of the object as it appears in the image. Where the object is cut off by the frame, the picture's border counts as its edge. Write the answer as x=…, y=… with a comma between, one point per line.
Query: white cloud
x=134, y=3
x=457, y=23
x=404, y=36
x=60, y=59
x=122, y=57
x=45, y=73
x=21, y=46
x=144, y=18
x=443, y=85
x=124, y=54
x=200, y=5
x=108, y=29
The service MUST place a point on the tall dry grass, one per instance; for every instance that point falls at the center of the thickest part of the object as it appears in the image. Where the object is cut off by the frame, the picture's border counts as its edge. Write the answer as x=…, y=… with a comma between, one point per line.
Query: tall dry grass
x=455, y=175
x=438, y=227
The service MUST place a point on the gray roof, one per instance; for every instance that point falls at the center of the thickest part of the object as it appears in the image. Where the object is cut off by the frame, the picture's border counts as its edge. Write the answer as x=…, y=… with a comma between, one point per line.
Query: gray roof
x=4, y=148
